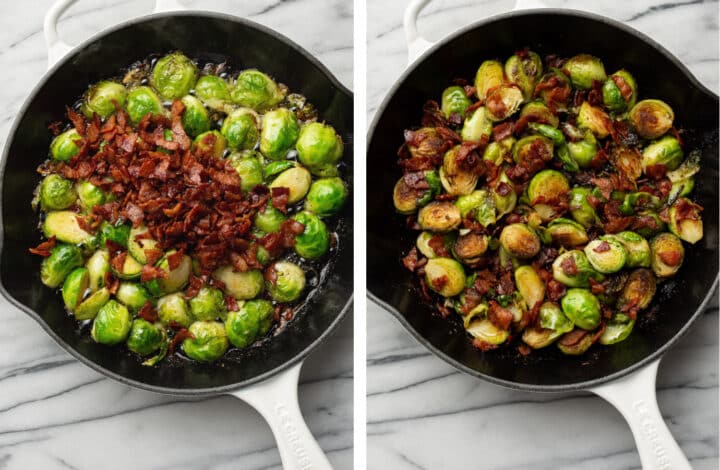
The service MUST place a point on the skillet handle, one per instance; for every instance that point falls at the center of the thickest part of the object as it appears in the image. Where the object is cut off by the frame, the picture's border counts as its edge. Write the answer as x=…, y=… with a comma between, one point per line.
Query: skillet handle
x=276, y=400
x=417, y=44
x=634, y=397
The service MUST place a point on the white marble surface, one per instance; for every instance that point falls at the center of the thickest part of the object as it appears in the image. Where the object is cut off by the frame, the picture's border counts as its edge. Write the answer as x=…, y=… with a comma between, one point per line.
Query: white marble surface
x=423, y=414
x=56, y=413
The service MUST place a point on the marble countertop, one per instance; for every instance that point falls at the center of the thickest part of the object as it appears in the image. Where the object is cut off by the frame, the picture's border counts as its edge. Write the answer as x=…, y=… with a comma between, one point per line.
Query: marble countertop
x=423, y=414
x=55, y=413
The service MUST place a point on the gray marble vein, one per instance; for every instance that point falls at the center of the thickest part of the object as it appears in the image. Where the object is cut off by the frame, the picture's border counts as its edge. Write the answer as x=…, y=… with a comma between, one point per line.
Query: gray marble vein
x=56, y=413
x=423, y=414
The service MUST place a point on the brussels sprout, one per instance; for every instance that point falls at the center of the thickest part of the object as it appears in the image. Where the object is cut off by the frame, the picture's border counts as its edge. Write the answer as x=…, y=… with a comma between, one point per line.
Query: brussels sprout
x=240, y=128
x=74, y=287
x=454, y=101
x=497, y=152
x=273, y=169
x=619, y=91
x=546, y=188
x=208, y=341
x=580, y=208
x=285, y=281
x=583, y=151
x=130, y=269
x=132, y=295
x=404, y=197
x=470, y=247
x=176, y=278
x=423, y=243
x=248, y=167
x=504, y=203
x=112, y=324
x=503, y=101
x=268, y=220
x=89, y=308
x=687, y=169
x=139, y=242
x=486, y=332
x=567, y=233
x=214, y=92
x=208, y=304
x=651, y=118
x=256, y=90
x=595, y=119
x=262, y=255
x=627, y=161
x=573, y=269
x=195, y=118
x=141, y=101
x=530, y=286
x=532, y=145
x=145, y=337
x=665, y=151
x=524, y=70
x=173, y=308
x=536, y=112
x=553, y=324
x=326, y=196
x=280, y=131
x=555, y=79
x=174, y=76
x=685, y=220
x=489, y=76
x=297, y=180
x=555, y=135
x=455, y=179
x=445, y=276
x=253, y=320
x=680, y=189
x=439, y=217
x=241, y=285
x=520, y=241
x=89, y=195
x=646, y=231
x=582, y=308
x=315, y=239
x=56, y=193
x=65, y=146
x=606, y=254
x=617, y=329
x=668, y=254
x=212, y=142
x=426, y=143
x=102, y=98
x=637, y=248
x=638, y=291
x=117, y=234
x=571, y=345
x=98, y=265
x=583, y=69
x=479, y=201
x=476, y=126
x=62, y=261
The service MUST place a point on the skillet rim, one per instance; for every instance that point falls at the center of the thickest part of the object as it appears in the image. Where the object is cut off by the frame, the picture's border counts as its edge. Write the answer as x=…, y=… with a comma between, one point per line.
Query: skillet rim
x=577, y=386
x=179, y=392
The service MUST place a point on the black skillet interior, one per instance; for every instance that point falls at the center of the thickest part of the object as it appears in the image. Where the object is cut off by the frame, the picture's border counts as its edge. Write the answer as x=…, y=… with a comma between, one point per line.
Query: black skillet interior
x=209, y=37
x=564, y=33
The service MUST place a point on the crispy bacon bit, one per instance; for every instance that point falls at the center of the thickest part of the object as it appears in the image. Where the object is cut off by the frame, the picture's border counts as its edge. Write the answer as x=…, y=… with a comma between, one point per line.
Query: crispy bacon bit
x=499, y=316
x=495, y=104
x=594, y=96
x=483, y=345
x=147, y=312
x=568, y=266
x=195, y=283
x=44, y=248
x=503, y=131
x=573, y=338
x=175, y=259
x=671, y=258
x=686, y=210
x=605, y=186
x=506, y=286
x=596, y=287
x=118, y=261
x=623, y=86
x=437, y=243
x=180, y=336
x=231, y=303
x=439, y=282
x=111, y=283
x=149, y=273
x=444, y=311
x=602, y=247
x=554, y=290
x=656, y=172
x=524, y=349
x=503, y=189
x=433, y=115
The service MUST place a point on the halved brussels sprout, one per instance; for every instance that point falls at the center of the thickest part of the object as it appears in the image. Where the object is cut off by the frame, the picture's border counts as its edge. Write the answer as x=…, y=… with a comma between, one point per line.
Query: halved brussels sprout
x=172, y=308
x=98, y=265
x=476, y=202
x=582, y=308
x=62, y=261
x=241, y=285
x=404, y=197
x=131, y=269
x=470, y=247
x=489, y=76
x=141, y=101
x=652, y=118
x=240, y=128
x=627, y=161
x=176, y=278
x=195, y=118
x=256, y=90
x=445, y=276
x=208, y=304
x=423, y=243
x=117, y=234
x=285, y=281
x=687, y=169
x=56, y=193
x=427, y=143
x=583, y=151
x=583, y=69
x=315, y=239
x=504, y=197
x=454, y=101
x=537, y=112
x=567, y=233
x=253, y=320
x=665, y=151
x=214, y=92
x=617, y=329
x=520, y=241
x=319, y=148
x=573, y=269
x=132, y=295
x=498, y=152
x=580, y=208
x=65, y=146
x=74, y=287
x=503, y=101
x=89, y=308
x=211, y=141
x=595, y=119
x=647, y=231
x=476, y=126
x=533, y=146
x=578, y=346
x=248, y=167
x=524, y=70
x=112, y=324
x=297, y=179
x=638, y=291
x=138, y=242
x=553, y=324
x=89, y=195
x=685, y=220
x=102, y=98
x=606, y=254
x=637, y=248
x=145, y=337
x=530, y=286
x=546, y=188
x=439, y=217
x=455, y=179
x=268, y=220
x=174, y=76
x=619, y=91
x=485, y=331
x=554, y=80
x=280, y=131
x=208, y=342
x=326, y=196
x=668, y=254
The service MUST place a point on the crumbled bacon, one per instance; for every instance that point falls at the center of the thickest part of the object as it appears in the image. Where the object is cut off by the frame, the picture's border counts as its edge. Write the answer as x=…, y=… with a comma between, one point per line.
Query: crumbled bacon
x=439, y=282
x=433, y=115
x=602, y=247
x=180, y=336
x=573, y=338
x=147, y=312
x=149, y=273
x=656, y=171
x=483, y=345
x=568, y=266
x=499, y=316
x=44, y=248
x=503, y=131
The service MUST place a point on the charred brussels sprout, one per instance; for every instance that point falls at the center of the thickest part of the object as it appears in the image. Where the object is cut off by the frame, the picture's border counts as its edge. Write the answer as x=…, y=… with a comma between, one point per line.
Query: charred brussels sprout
x=489, y=75
x=638, y=291
x=285, y=281
x=269, y=219
x=74, y=287
x=212, y=142
x=132, y=295
x=145, y=337
x=297, y=180
x=455, y=179
x=426, y=142
x=64, y=226
x=619, y=91
x=454, y=101
x=470, y=247
x=112, y=324
x=256, y=90
x=90, y=195
x=315, y=239
x=252, y=321
x=520, y=241
x=567, y=233
x=62, y=261
x=326, y=196
x=637, y=248
x=538, y=112
x=141, y=101
x=503, y=101
x=504, y=196
x=553, y=324
x=584, y=69
x=665, y=151
x=628, y=161
x=174, y=76
x=606, y=254
x=532, y=146
x=571, y=345
x=56, y=193
x=423, y=244
x=439, y=217
x=208, y=341
x=583, y=151
x=208, y=304
x=547, y=187
x=580, y=208
x=102, y=98
x=617, y=329
x=573, y=269
x=195, y=118
x=280, y=131
x=530, y=286
x=214, y=92
x=241, y=285
x=479, y=204
x=173, y=308
x=476, y=126
x=485, y=331
x=685, y=220
x=595, y=119
x=445, y=276
x=667, y=254
x=65, y=146
x=525, y=70
x=582, y=308
x=651, y=118
x=240, y=128
x=319, y=148
x=248, y=167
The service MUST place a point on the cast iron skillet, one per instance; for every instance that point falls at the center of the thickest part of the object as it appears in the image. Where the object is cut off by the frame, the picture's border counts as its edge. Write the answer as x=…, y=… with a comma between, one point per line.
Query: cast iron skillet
x=566, y=33
x=208, y=36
